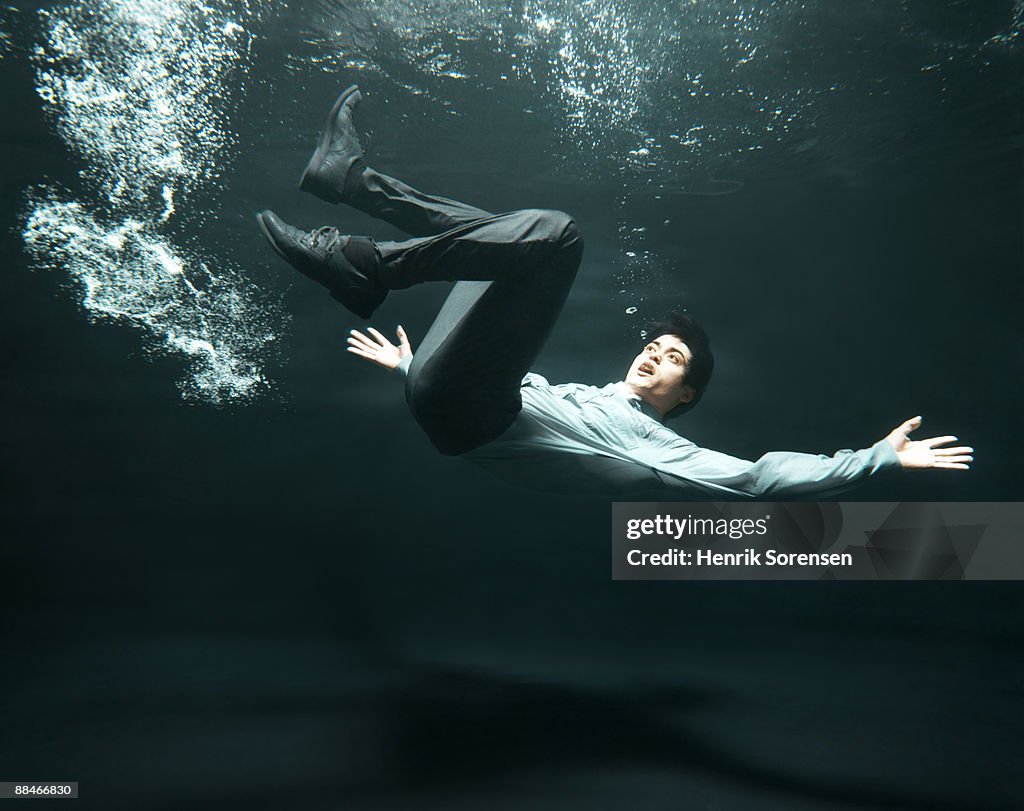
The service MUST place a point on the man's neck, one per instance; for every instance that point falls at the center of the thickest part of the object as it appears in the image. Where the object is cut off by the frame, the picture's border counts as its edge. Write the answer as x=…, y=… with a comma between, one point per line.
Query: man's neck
x=646, y=406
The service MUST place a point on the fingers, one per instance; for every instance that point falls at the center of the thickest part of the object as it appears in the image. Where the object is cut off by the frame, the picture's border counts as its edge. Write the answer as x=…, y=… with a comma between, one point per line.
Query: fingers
x=369, y=349
x=377, y=349
x=403, y=339
x=950, y=466
x=910, y=425
x=356, y=337
x=957, y=458
x=935, y=441
x=953, y=455
x=379, y=336
x=961, y=450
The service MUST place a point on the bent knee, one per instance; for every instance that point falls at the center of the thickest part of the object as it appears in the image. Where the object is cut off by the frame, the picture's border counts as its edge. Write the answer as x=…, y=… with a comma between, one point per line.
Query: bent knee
x=423, y=393
x=557, y=227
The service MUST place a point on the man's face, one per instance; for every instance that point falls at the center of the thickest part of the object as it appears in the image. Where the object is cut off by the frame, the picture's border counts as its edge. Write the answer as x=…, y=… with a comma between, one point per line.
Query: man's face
x=658, y=374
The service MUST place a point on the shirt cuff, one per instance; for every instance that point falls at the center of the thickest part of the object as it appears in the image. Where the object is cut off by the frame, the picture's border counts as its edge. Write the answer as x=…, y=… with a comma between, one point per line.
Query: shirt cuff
x=404, y=364
x=884, y=456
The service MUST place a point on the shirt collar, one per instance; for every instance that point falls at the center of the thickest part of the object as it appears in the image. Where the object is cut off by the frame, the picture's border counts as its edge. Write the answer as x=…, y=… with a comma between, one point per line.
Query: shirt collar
x=638, y=403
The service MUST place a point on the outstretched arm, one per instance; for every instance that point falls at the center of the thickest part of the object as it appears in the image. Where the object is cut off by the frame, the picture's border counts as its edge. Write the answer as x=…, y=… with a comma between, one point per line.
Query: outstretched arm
x=378, y=349
x=787, y=474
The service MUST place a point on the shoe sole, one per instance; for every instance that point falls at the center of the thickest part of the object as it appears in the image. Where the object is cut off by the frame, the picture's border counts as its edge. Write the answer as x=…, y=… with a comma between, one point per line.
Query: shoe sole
x=326, y=136
x=270, y=238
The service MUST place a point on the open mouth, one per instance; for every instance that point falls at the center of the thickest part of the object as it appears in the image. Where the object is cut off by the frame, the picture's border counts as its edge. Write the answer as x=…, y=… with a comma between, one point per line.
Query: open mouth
x=646, y=368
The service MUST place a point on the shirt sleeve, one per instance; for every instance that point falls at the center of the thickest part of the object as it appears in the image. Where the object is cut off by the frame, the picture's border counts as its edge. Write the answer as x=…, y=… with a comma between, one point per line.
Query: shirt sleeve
x=404, y=364
x=780, y=473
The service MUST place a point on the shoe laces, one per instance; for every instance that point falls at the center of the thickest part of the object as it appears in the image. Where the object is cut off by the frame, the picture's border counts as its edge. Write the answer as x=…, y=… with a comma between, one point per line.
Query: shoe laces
x=324, y=239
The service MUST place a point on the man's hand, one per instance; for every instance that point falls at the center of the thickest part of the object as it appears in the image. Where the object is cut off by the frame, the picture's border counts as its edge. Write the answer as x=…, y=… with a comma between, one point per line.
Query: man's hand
x=379, y=349
x=927, y=453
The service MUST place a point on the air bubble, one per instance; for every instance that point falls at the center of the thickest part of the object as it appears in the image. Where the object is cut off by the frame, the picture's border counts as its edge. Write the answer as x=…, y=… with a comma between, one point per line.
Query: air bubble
x=148, y=135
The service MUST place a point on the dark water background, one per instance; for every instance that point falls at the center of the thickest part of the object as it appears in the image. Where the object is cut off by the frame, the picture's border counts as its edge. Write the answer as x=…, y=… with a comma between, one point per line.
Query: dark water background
x=292, y=602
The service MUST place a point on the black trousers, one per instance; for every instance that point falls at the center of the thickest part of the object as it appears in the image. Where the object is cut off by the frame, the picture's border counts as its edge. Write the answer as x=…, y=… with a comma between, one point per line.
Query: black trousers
x=513, y=273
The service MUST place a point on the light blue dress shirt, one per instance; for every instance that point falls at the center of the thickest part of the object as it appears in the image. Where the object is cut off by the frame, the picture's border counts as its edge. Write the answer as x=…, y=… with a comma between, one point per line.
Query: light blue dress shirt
x=585, y=439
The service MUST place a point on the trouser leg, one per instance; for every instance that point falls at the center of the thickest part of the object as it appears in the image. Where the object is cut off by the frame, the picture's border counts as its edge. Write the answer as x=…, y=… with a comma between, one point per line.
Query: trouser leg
x=399, y=204
x=513, y=273
x=464, y=382
x=496, y=247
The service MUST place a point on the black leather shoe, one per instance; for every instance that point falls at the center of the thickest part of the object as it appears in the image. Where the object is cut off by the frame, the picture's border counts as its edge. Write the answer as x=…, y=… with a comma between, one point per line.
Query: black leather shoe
x=336, y=150
x=320, y=255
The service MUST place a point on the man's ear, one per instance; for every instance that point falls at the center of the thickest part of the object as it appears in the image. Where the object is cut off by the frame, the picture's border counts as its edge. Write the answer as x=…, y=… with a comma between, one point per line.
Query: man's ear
x=687, y=394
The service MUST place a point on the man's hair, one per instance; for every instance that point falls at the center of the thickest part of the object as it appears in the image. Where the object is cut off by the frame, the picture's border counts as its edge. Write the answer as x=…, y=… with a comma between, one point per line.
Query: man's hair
x=698, y=371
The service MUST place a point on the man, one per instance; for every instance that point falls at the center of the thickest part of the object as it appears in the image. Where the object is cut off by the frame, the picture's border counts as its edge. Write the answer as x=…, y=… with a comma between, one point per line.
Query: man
x=469, y=385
